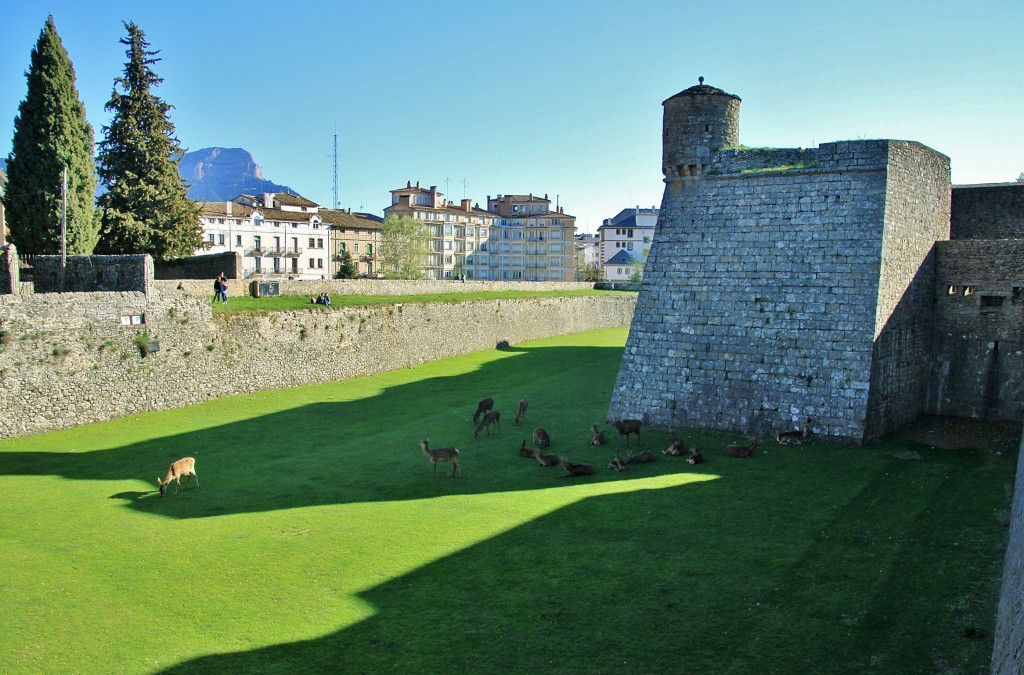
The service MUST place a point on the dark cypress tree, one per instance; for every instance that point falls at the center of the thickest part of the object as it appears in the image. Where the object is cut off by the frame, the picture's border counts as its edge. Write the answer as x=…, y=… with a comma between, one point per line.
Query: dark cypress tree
x=50, y=133
x=146, y=208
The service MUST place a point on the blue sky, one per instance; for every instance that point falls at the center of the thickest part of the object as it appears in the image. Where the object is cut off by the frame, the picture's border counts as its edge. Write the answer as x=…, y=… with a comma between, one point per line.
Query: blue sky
x=561, y=97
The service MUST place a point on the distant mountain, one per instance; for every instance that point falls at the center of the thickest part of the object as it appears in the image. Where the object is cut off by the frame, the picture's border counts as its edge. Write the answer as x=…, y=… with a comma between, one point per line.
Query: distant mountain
x=221, y=174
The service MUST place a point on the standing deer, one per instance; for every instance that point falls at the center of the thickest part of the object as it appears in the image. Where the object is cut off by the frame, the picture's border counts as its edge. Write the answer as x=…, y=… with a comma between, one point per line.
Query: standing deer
x=695, y=456
x=545, y=460
x=482, y=407
x=676, y=449
x=521, y=411
x=525, y=451
x=736, y=450
x=625, y=428
x=576, y=469
x=493, y=418
x=797, y=437
x=441, y=455
x=183, y=467
x=541, y=438
x=598, y=437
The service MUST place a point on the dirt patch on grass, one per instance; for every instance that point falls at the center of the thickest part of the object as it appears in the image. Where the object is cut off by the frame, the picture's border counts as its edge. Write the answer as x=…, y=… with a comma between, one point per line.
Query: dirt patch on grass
x=956, y=433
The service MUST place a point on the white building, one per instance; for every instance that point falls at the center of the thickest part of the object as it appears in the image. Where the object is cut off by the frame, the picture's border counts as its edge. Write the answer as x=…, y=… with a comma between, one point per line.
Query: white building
x=626, y=240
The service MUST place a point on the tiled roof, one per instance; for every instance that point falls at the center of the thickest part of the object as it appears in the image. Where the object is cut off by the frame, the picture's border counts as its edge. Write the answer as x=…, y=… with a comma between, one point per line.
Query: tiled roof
x=292, y=200
x=620, y=258
x=353, y=220
x=219, y=209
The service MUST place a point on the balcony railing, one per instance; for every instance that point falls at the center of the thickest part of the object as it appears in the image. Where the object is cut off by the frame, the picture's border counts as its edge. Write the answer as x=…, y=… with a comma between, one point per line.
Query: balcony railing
x=257, y=251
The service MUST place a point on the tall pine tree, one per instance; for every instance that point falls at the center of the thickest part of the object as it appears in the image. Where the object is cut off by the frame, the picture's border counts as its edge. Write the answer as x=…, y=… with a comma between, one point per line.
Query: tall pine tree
x=146, y=208
x=51, y=133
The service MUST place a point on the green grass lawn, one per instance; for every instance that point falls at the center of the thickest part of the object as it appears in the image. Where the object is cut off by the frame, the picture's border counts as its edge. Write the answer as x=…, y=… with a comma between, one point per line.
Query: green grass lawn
x=318, y=539
x=245, y=303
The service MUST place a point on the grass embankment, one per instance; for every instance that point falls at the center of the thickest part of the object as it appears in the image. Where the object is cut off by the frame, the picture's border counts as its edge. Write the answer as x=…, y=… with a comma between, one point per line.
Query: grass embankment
x=319, y=541
x=246, y=303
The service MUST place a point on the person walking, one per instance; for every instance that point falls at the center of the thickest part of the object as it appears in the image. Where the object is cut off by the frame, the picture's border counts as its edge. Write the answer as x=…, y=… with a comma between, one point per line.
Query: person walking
x=223, y=288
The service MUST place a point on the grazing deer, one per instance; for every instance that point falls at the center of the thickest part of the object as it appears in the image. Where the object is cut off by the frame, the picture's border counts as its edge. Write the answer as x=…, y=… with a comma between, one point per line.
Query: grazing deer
x=183, y=467
x=482, y=407
x=493, y=418
x=521, y=411
x=642, y=458
x=525, y=451
x=676, y=449
x=541, y=438
x=797, y=437
x=545, y=460
x=441, y=455
x=598, y=437
x=625, y=428
x=575, y=469
x=695, y=456
x=744, y=451
x=617, y=464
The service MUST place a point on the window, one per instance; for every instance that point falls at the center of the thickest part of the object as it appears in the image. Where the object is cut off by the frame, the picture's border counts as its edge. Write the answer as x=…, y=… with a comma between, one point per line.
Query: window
x=259, y=264
x=319, y=263
x=209, y=237
x=952, y=290
x=355, y=247
x=238, y=240
x=369, y=249
x=312, y=263
x=256, y=241
x=220, y=239
x=342, y=247
x=312, y=242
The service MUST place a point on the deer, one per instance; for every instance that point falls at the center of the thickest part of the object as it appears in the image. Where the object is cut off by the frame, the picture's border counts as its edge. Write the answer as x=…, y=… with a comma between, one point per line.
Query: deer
x=492, y=418
x=625, y=428
x=183, y=467
x=695, y=456
x=525, y=451
x=482, y=407
x=441, y=455
x=617, y=464
x=598, y=437
x=676, y=449
x=796, y=437
x=545, y=460
x=541, y=438
x=575, y=469
x=744, y=451
x=521, y=411
x=642, y=458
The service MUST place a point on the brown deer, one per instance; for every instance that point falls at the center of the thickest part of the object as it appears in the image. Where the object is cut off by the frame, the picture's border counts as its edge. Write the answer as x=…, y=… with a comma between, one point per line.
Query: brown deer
x=183, y=467
x=695, y=456
x=521, y=411
x=676, y=449
x=545, y=460
x=525, y=451
x=575, y=469
x=598, y=437
x=441, y=455
x=625, y=428
x=617, y=464
x=491, y=419
x=736, y=450
x=796, y=437
x=482, y=407
x=642, y=458
x=541, y=438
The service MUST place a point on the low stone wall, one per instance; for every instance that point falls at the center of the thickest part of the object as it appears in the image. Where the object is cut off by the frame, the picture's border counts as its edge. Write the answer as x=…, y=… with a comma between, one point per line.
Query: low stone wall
x=84, y=273
x=1008, y=652
x=72, y=359
x=200, y=267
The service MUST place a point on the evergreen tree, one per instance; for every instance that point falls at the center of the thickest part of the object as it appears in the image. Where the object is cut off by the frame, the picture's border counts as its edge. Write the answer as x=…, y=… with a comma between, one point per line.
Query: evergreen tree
x=347, y=267
x=146, y=208
x=51, y=133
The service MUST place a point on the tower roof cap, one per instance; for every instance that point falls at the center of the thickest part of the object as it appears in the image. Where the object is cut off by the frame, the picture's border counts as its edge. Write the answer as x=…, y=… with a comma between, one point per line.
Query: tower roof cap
x=702, y=90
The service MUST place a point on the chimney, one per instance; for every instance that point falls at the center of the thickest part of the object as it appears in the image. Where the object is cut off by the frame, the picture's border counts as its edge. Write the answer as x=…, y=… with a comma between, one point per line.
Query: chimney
x=417, y=185
x=467, y=205
x=227, y=207
x=408, y=183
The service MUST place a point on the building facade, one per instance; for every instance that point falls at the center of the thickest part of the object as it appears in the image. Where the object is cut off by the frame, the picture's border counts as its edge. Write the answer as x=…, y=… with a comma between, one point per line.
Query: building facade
x=357, y=234
x=625, y=241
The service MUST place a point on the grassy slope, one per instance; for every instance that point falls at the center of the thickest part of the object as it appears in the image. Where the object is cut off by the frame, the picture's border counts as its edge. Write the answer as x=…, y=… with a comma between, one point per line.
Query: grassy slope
x=319, y=540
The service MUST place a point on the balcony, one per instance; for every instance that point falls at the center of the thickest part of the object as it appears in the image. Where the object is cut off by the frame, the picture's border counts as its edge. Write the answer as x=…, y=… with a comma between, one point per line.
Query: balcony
x=256, y=251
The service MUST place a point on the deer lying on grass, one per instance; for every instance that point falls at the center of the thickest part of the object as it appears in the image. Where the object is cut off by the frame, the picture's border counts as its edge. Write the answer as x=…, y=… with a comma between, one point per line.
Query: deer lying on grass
x=491, y=419
x=525, y=451
x=541, y=438
x=736, y=450
x=183, y=467
x=482, y=407
x=441, y=455
x=797, y=437
x=642, y=458
x=695, y=456
x=545, y=460
x=676, y=449
x=625, y=428
x=575, y=469
x=521, y=411
x=617, y=464
x=598, y=438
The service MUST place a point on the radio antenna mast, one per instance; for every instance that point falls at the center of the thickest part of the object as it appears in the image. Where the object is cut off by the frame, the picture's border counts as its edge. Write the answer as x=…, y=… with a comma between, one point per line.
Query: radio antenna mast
x=336, y=203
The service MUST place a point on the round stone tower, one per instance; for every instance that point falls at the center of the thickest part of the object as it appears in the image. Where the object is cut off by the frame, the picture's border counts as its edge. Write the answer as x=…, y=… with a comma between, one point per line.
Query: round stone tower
x=698, y=122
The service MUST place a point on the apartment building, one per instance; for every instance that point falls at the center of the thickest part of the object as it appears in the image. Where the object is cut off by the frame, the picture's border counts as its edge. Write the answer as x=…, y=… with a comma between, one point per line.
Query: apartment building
x=357, y=234
x=626, y=240
x=528, y=241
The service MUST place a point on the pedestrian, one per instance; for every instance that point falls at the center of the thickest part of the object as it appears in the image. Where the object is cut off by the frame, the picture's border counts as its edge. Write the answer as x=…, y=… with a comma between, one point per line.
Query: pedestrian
x=216, y=289
x=223, y=288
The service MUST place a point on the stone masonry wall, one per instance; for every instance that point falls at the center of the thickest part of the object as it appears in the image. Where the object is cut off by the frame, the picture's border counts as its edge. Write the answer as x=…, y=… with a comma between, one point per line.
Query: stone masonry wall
x=84, y=273
x=977, y=369
x=201, y=267
x=758, y=304
x=69, y=359
x=1008, y=651
x=736, y=160
x=916, y=216
x=988, y=211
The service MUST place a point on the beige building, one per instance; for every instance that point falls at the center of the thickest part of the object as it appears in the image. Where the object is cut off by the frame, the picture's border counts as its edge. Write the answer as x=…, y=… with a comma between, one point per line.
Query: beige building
x=357, y=234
